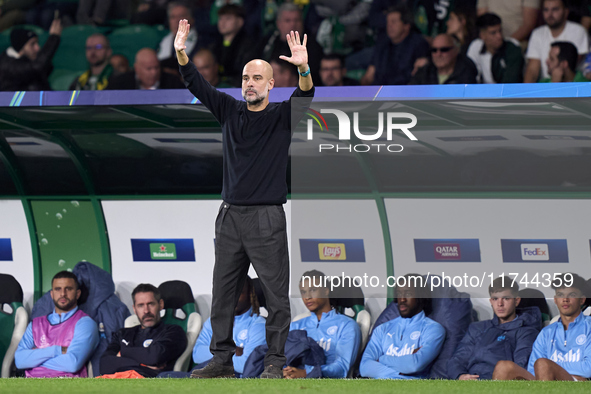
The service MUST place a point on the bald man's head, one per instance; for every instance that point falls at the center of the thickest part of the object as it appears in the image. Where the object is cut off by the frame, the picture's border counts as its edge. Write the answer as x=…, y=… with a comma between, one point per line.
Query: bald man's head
x=147, y=68
x=207, y=66
x=257, y=80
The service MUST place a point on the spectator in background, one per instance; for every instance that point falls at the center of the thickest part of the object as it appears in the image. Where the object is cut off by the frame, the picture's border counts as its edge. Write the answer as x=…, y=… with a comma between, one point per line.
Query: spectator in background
x=561, y=350
x=207, y=66
x=176, y=11
x=338, y=335
x=98, y=53
x=234, y=48
x=447, y=65
x=562, y=63
x=461, y=26
x=334, y=73
x=580, y=12
x=284, y=74
x=508, y=336
x=146, y=75
x=13, y=12
x=519, y=16
x=404, y=347
x=343, y=29
x=497, y=59
x=44, y=13
x=248, y=331
x=557, y=28
x=120, y=64
x=431, y=16
x=149, y=348
x=59, y=344
x=23, y=66
x=150, y=12
x=289, y=17
x=394, y=56
x=99, y=12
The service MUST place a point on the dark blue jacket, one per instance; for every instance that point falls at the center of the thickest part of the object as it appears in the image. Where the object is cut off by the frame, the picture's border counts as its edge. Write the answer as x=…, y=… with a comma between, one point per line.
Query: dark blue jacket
x=300, y=350
x=101, y=304
x=488, y=342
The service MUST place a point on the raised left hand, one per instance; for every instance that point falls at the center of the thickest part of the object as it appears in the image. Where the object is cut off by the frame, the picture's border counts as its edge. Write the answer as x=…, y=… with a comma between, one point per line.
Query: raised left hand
x=299, y=53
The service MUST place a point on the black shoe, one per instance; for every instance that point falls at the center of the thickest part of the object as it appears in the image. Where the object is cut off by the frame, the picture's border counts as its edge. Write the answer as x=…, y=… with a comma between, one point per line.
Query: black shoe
x=214, y=370
x=272, y=372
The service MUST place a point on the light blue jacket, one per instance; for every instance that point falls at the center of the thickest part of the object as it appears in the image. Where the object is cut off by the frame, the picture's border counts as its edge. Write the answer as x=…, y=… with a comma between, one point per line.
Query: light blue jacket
x=338, y=335
x=389, y=352
x=249, y=332
x=571, y=349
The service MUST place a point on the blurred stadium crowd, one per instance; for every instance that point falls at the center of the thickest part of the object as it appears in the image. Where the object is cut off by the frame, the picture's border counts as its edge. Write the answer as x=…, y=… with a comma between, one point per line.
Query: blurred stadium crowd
x=127, y=44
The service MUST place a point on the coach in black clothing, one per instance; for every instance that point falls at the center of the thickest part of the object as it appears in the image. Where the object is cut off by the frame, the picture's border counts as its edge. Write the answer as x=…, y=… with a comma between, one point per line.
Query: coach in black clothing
x=150, y=348
x=250, y=227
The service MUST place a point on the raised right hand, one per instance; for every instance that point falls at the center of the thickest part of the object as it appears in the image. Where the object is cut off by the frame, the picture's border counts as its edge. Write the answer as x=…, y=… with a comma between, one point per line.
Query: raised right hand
x=181, y=35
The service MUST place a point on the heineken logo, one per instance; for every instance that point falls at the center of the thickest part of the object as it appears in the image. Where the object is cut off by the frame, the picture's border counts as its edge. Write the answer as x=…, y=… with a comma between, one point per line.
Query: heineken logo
x=163, y=251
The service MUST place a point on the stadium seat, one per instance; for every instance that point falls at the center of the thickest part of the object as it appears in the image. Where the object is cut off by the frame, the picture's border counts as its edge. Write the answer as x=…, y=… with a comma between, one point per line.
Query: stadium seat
x=13, y=321
x=179, y=309
x=450, y=308
x=534, y=297
x=61, y=79
x=71, y=53
x=127, y=41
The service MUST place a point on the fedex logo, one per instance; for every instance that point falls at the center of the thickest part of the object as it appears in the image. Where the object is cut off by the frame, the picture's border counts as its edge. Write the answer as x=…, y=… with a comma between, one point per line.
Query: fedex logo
x=399, y=352
x=570, y=357
x=332, y=251
x=537, y=252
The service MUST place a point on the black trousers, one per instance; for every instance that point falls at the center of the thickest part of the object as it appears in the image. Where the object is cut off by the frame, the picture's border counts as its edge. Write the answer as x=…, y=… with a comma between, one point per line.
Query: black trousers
x=244, y=235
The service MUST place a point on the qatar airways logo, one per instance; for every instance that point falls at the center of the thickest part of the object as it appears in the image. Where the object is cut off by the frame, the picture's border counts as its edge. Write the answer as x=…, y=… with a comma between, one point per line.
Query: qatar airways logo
x=385, y=122
x=399, y=352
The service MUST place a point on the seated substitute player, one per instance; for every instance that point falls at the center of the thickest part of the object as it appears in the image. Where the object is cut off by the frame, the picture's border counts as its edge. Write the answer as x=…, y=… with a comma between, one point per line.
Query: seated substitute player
x=151, y=347
x=337, y=334
x=404, y=347
x=249, y=330
x=59, y=344
x=508, y=336
x=561, y=351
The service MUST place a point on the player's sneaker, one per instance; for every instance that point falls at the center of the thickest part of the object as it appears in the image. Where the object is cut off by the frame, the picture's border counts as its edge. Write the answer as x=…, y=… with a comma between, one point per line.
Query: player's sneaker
x=214, y=370
x=272, y=372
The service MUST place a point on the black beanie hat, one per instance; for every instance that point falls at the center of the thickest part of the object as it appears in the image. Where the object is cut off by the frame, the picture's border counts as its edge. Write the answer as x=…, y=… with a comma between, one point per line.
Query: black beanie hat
x=19, y=37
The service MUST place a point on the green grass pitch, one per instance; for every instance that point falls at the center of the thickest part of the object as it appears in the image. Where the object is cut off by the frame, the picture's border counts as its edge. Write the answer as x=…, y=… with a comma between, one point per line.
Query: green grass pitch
x=256, y=386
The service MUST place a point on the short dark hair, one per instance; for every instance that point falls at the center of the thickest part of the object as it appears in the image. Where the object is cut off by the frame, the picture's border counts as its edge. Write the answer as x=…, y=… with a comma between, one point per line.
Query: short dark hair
x=560, y=282
x=334, y=56
x=488, y=20
x=315, y=274
x=231, y=9
x=502, y=284
x=406, y=15
x=422, y=293
x=568, y=52
x=565, y=3
x=66, y=275
x=146, y=288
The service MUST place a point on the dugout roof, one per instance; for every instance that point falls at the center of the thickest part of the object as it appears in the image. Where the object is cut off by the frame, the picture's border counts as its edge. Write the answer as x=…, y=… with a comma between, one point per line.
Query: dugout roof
x=500, y=138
